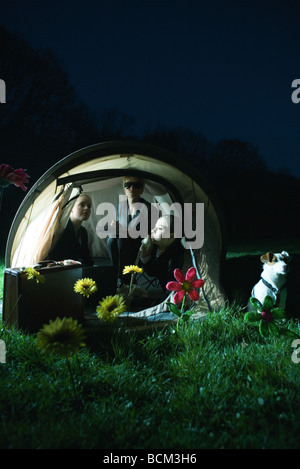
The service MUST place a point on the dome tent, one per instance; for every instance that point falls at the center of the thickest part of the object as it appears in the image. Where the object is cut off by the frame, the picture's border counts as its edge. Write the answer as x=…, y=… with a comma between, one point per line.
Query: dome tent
x=98, y=171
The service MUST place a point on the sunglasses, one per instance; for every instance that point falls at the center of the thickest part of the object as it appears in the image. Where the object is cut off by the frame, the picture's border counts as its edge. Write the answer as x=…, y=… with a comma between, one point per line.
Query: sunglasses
x=136, y=185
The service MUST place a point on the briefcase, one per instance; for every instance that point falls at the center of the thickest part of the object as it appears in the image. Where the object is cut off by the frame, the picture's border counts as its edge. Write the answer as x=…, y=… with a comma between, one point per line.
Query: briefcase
x=29, y=304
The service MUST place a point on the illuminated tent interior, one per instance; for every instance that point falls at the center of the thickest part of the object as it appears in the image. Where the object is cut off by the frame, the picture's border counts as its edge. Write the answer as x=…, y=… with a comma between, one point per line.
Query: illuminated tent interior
x=98, y=170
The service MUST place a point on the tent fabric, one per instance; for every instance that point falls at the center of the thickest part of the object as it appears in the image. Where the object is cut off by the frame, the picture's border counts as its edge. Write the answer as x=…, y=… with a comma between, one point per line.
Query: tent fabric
x=98, y=170
x=40, y=234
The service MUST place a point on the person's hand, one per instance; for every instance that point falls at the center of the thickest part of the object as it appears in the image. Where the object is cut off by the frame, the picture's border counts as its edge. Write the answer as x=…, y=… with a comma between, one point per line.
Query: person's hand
x=146, y=246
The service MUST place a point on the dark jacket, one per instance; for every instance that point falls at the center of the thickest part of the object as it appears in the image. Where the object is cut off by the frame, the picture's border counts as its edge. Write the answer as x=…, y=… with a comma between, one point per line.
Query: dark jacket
x=144, y=217
x=162, y=267
x=72, y=245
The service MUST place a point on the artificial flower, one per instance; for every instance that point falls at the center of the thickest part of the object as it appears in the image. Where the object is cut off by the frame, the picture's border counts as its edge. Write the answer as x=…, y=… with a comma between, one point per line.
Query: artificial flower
x=111, y=307
x=62, y=337
x=85, y=286
x=8, y=175
x=185, y=285
x=34, y=274
x=133, y=270
x=266, y=315
x=128, y=269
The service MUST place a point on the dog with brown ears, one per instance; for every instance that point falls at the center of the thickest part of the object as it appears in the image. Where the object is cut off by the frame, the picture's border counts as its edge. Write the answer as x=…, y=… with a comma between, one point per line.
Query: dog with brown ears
x=273, y=279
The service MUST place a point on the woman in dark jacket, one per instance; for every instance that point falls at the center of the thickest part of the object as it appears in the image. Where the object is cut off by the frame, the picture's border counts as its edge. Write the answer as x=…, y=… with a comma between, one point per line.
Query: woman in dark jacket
x=73, y=242
x=163, y=252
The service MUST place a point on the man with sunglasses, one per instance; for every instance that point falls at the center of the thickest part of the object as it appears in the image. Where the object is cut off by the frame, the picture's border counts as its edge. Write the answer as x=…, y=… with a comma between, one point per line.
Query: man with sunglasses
x=133, y=214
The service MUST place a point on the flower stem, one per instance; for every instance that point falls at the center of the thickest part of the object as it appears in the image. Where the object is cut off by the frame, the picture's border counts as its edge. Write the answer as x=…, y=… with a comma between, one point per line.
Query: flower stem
x=182, y=305
x=131, y=282
x=181, y=311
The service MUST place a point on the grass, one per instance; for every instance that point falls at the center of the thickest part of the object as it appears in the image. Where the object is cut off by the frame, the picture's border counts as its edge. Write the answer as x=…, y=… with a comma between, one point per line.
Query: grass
x=212, y=384
x=243, y=249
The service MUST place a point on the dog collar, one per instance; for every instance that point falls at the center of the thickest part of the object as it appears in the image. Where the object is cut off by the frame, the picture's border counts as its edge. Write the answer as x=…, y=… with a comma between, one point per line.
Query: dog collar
x=274, y=290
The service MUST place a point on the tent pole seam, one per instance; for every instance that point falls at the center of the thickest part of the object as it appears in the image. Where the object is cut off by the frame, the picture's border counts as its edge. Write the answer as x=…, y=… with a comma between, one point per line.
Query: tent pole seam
x=199, y=276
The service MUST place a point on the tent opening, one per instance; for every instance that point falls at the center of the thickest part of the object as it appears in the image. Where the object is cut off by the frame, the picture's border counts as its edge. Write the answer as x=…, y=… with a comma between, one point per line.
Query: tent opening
x=98, y=170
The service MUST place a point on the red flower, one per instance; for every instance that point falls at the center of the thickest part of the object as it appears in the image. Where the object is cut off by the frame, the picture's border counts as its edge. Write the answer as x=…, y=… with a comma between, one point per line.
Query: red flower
x=8, y=175
x=267, y=315
x=185, y=285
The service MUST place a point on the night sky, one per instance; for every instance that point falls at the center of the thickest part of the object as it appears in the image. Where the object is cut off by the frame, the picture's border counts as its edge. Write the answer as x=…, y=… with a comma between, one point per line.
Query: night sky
x=224, y=68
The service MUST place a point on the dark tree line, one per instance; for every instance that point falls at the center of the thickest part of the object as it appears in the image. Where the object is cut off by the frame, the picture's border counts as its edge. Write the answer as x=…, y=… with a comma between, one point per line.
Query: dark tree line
x=43, y=121
x=257, y=203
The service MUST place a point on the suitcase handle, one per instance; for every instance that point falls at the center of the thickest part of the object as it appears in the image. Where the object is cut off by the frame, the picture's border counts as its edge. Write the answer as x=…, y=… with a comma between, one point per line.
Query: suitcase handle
x=51, y=263
x=46, y=263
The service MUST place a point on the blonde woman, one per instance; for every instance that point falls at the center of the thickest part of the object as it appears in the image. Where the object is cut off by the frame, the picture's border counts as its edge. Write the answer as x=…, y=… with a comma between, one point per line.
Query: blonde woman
x=73, y=242
x=162, y=252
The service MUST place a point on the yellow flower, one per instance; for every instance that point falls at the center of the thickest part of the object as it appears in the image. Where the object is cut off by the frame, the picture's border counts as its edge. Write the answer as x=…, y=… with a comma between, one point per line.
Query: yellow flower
x=62, y=337
x=132, y=268
x=32, y=273
x=85, y=286
x=111, y=307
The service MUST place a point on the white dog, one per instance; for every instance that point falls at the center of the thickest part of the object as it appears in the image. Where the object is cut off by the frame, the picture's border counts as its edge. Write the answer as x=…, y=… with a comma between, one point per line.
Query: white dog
x=273, y=279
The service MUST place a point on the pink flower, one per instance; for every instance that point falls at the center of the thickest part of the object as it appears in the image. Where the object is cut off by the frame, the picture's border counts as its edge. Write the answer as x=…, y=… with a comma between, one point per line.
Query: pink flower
x=8, y=175
x=185, y=285
x=267, y=315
